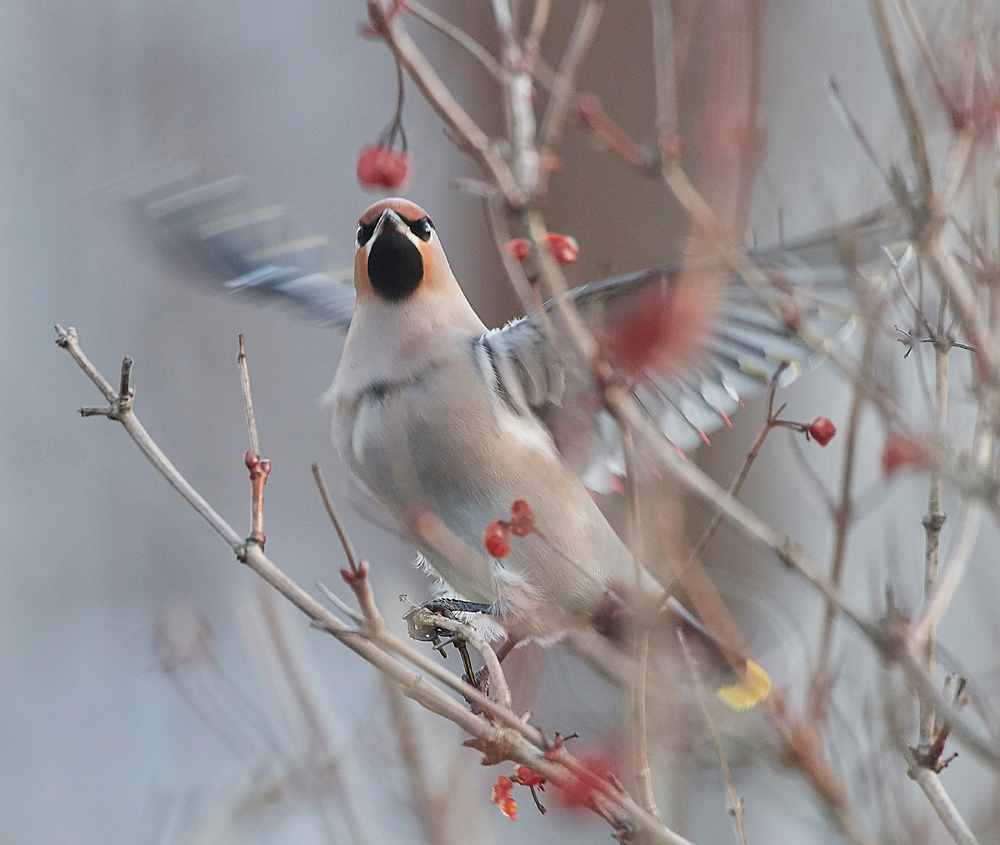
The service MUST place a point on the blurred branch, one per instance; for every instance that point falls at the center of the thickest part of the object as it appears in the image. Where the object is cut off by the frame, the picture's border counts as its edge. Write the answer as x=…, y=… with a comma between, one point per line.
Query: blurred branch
x=906, y=99
x=580, y=40
x=457, y=35
x=843, y=516
x=893, y=645
x=735, y=801
x=533, y=40
x=432, y=809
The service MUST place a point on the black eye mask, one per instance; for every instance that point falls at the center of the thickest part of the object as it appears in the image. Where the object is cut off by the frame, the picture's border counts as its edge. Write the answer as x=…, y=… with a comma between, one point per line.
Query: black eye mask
x=395, y=266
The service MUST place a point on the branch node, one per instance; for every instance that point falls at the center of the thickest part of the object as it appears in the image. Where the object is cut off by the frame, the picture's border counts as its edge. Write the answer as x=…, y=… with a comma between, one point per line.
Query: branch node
x=95, y=412
x=124, y=388
x=243, y=550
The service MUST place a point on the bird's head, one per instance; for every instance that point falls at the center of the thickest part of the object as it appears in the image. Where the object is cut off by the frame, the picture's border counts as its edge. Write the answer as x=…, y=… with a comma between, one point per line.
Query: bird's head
x=398, y=254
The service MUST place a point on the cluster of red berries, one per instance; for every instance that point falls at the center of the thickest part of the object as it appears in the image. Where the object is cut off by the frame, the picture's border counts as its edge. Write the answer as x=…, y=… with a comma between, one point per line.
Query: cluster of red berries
x=496, y=537
x=502, y=788
x=383, y=167
x=564, y=248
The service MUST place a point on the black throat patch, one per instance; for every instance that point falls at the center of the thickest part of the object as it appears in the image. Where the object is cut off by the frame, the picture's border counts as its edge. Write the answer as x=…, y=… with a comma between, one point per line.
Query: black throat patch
x=395, y=266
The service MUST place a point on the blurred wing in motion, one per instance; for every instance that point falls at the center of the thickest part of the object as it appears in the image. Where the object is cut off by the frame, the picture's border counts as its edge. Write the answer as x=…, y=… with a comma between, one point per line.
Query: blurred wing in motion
x=210, y=229
x=696, y=340
x=717, y=353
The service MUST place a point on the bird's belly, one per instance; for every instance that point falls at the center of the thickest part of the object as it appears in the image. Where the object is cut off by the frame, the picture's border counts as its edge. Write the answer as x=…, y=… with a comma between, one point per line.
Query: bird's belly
x=446, y=468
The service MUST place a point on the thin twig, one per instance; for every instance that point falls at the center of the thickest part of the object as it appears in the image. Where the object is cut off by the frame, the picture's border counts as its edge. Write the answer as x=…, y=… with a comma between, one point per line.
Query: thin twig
x=930, y=783
x=641, y=771
x=555, y=114
x=964, y=541
x=345, y=541
x=533, y=40
x=664, y=68
x=906, y=99
x=735, y=801
x=519, y=108
x=916, y=30
x=461, y=126
x=753, y=528
x=918, y=312
x=737, y=484
x=259, y=469
x=431, y=808
x=933, y=521
x=843, y=516
x=456, y=34
x=858, y=132
x=248, y=400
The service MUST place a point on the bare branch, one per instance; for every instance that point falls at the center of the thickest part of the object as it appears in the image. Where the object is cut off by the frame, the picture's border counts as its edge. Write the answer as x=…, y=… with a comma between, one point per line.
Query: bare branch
x=533, y=40
x=345, y=541
x=458, y=121
x=930, y=783
x=248, y=400
x=906, y=99
x=498, y=741
x=456, y=34
x=555, y=114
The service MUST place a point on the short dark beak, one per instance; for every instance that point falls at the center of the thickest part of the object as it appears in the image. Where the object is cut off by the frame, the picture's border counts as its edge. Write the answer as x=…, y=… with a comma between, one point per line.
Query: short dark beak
x=389, y=221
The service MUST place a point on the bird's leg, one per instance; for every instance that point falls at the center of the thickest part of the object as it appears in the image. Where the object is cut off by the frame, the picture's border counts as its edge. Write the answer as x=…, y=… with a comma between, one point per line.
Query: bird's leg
x=470, y=673
x=446, y=605
x=422, y=620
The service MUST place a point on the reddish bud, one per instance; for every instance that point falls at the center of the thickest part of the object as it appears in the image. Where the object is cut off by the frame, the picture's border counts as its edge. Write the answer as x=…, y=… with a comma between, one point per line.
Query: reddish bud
x=901, y=453
x=821, y=430
x=588, y=106
x=383, y=167
x=496, y=538
x=517, y=249
x=522, y=518
x=551, y=162
x=527, y=777
x=502, y=798
x=564, y=248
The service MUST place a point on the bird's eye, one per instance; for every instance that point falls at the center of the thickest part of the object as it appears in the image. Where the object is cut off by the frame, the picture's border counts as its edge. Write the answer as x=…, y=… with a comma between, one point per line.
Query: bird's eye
x=422, y=228
x=365, y=231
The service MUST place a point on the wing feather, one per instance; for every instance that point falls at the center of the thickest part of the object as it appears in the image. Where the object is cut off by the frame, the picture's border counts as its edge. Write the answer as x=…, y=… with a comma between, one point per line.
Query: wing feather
x=211, y=230
x=746, y=347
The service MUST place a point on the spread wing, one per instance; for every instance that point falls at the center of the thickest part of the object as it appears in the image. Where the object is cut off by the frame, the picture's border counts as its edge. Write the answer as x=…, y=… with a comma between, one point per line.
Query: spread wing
x=741, y=350
x=210, y=228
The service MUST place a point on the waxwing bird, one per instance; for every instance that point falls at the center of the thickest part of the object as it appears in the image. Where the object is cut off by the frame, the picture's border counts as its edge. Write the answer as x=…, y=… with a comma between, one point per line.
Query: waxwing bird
x=448, y=423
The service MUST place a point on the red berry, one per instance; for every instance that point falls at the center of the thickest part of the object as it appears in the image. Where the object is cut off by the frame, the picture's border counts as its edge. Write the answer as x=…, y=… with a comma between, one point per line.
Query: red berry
x=527, y=777
x=383, y=167
x=502, y=798
x=496, y=538
x=517, y=249
x=901, y=452
x=564, y=248
x=522, y=518
x=821, y=430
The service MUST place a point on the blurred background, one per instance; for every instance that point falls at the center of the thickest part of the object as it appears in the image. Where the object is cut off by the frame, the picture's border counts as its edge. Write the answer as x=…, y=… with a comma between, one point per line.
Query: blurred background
x=141, y=699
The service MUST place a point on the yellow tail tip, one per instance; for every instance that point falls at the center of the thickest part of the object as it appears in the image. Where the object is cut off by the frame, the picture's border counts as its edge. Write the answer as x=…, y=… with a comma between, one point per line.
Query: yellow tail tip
x=750, y=691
